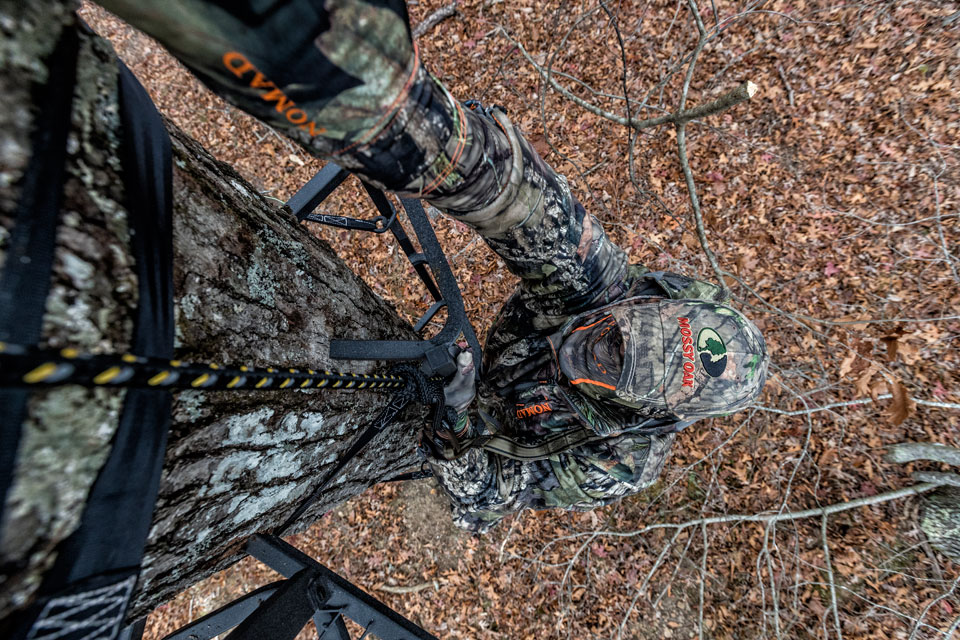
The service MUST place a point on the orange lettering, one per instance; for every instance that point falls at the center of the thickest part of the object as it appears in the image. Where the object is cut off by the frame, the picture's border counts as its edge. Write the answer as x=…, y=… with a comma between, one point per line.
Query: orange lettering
x=230, y=60
x=533, y=410
x=312, y=128
x=260, y=82
x=283, y=102
x=300, y=118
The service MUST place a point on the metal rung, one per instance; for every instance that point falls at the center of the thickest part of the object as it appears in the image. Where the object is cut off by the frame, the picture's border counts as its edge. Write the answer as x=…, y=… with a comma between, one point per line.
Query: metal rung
x=426, y=317
x=313, y=193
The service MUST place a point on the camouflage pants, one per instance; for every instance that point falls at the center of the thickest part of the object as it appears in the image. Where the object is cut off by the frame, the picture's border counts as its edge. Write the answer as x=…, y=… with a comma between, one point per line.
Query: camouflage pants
x=344, y=80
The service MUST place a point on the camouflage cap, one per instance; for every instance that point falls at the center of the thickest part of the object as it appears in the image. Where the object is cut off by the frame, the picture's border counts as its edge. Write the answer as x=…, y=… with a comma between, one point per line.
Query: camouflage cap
x=690, y=357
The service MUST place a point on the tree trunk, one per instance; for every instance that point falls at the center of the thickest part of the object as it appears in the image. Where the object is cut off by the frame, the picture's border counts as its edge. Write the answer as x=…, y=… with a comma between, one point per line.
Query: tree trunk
x=940, y=520
x=251, y=287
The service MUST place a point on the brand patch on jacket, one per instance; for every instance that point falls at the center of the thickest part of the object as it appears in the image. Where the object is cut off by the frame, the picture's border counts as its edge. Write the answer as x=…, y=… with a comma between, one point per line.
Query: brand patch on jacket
x=533, y=410
x=238, y=64
x=686, y=346
x=712, y=351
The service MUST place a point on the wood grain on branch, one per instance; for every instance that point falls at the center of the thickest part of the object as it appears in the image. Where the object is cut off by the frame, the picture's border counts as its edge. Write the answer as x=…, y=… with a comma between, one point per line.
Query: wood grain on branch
x=910, y=451
x=950, y=479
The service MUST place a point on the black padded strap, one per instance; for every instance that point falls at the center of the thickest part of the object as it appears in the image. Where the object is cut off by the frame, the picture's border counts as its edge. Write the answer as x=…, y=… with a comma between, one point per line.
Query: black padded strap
x=103, y=555
x=25, y=280
x=120, y=506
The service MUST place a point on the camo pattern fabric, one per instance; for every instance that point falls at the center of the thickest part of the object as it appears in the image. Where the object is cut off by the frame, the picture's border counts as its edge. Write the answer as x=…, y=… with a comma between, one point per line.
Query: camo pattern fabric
x=520, y=391
x=344, y=80
x=485, y=488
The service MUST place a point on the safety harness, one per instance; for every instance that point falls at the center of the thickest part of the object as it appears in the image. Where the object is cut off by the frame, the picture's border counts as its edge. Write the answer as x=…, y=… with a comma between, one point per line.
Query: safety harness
x=87, y=591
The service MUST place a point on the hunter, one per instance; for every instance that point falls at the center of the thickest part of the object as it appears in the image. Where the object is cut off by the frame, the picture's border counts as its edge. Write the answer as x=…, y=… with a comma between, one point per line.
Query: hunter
x=593, y=364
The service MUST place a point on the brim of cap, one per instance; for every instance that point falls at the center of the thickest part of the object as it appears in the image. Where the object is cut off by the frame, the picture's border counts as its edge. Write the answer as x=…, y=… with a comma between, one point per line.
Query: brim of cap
x=577, y=362
x=641, y=381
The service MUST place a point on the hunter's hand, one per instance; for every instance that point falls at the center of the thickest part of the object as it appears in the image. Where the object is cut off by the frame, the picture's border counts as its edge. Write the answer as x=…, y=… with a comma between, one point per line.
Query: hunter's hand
x=460, y=391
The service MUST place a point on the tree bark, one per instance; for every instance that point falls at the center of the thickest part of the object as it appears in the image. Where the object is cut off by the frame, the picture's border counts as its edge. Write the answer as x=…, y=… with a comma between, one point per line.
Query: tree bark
x=940, y=520
x=251, y=287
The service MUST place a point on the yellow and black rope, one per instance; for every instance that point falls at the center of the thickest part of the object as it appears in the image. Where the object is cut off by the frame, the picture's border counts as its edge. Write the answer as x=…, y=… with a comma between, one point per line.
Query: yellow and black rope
x=30, y=367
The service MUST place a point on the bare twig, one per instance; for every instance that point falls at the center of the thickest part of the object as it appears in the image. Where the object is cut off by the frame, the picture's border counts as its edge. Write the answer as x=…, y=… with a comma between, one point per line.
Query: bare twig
x=732, y=98
x=930, y=605
x=703, y=580
x=695, y=202
x=853, y=403
x=829, y=510
x=771, y=575
x=956, y=623
x=435, y=18
x=786, y=83
x=830, y=579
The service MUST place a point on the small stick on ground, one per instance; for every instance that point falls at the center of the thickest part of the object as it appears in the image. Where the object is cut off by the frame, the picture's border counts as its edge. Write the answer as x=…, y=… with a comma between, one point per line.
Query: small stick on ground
x=411, y=589
x=786, y=83
x=434, y=19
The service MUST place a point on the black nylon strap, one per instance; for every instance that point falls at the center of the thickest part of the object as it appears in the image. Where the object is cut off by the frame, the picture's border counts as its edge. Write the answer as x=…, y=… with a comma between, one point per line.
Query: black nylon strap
x=104, y=553
x=25, y=280
x=285, y=613
x=117, y=516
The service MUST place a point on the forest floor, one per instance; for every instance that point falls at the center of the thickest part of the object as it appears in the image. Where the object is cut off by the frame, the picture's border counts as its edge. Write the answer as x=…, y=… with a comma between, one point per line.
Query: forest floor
x=831, y=198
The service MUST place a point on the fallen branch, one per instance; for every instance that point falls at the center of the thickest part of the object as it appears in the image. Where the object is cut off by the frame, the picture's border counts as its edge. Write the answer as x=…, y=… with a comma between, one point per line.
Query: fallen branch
x=910, y=451
x=695, y=202
x=935, y=476
x=732, y=98
x=434, y=19
x=786, y=83
x=756, y=517
x=830, y=580
x=853, y=403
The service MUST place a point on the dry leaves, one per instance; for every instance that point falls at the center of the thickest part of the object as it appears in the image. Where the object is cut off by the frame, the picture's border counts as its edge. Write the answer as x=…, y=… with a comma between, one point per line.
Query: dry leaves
x=826, y=209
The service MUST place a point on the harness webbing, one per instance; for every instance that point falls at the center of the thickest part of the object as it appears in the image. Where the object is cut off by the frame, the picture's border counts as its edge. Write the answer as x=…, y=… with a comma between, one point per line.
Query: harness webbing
x=86, y=592
x=25, y=278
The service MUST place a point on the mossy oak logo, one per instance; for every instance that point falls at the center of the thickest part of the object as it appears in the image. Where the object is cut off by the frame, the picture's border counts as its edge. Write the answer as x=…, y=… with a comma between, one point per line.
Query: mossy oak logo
x=686, y=345
x=712, y=351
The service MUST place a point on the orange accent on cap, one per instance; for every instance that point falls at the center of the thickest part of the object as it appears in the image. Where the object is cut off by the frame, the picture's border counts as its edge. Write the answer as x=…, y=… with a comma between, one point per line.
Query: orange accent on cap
x=596, y=382
x=592, y=324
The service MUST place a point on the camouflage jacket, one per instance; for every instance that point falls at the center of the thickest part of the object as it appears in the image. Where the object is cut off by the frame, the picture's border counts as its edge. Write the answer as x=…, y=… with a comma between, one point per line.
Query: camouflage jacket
x=523, y=396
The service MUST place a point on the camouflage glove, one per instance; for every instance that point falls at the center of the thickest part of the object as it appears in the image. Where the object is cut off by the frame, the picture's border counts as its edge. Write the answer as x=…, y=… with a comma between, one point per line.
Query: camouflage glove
x=458, y=393
x=461, y=389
